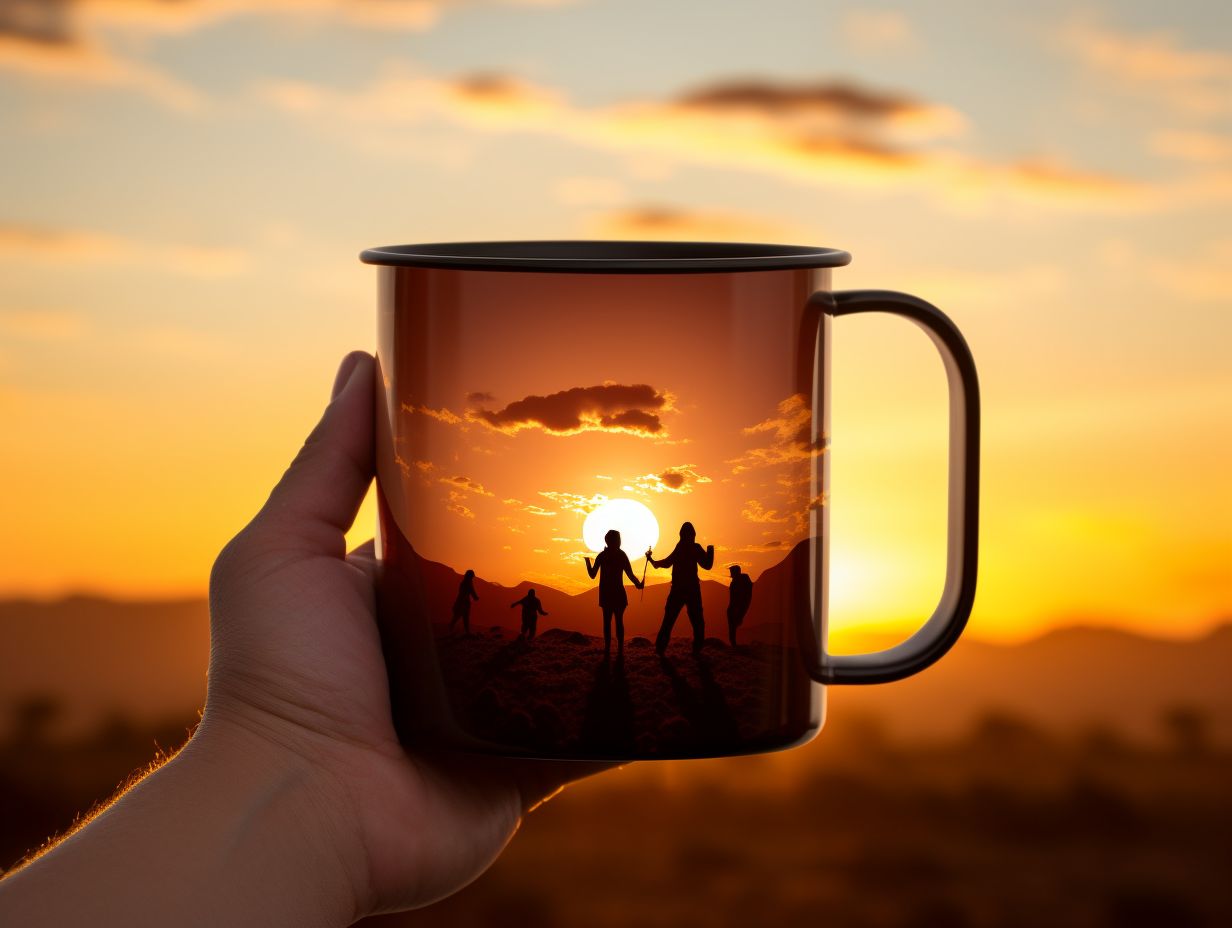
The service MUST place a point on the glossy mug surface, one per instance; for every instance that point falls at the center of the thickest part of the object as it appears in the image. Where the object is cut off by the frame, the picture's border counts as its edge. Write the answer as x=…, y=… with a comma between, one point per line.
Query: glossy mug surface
x=602, y=484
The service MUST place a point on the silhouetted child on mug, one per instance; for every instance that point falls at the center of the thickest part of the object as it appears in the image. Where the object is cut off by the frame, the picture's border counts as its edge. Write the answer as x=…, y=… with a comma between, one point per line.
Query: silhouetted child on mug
x=740, y=595
x=462, y=605
x=532, y=608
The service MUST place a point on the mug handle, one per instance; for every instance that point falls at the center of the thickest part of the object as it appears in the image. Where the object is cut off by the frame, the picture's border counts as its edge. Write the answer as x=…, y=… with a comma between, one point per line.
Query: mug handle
x=938, y=634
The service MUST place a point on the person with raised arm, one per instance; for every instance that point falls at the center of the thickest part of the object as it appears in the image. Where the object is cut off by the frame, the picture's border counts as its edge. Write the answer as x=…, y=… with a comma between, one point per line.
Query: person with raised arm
x=686, y=591
x=612, y=565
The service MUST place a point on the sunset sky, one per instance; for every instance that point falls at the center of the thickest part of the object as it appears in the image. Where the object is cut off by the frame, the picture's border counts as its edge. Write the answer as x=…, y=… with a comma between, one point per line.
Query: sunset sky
x=187, y=184
x=519, y=405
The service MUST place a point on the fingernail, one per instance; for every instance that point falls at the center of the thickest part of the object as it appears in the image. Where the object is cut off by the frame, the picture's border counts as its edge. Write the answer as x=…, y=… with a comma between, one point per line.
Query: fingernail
x=345, y=370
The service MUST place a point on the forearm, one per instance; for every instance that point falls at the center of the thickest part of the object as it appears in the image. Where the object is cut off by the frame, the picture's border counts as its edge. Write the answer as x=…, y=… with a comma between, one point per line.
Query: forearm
x=218, y=835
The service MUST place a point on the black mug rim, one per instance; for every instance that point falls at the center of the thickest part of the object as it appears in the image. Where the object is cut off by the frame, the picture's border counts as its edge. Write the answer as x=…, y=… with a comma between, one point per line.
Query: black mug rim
x=606, y=257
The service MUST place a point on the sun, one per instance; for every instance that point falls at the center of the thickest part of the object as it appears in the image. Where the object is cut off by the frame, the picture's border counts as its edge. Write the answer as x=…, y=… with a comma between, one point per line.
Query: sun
x=637, y=525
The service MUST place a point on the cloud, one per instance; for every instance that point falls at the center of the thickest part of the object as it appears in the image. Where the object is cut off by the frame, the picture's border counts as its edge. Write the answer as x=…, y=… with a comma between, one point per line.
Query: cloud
x=37, y=243
x=759, y=549
x=822, y=104
x=67, y=19
x=1152, y=64
x=878, y=31
x=458, y=509
x=829, y=133
x=654, y=221
x=479, y=397
x=538, y=511
x=754, y=512
x=440, y=415
x=62, y=39
x=790, y=434
x=573, y=502
x=465, y=485
x=679, y=479
x=39, y=37
x=610, y=407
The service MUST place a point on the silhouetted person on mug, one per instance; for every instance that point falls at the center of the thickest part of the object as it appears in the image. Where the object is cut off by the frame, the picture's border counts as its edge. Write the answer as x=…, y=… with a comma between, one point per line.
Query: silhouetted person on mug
x=532, y=608
x=462, y=605
x=686, y=592
x=611, y=565
x=740, y=594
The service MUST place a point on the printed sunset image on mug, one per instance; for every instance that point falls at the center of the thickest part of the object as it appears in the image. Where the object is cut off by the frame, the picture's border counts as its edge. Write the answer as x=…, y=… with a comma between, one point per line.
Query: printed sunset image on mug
x=602, y=476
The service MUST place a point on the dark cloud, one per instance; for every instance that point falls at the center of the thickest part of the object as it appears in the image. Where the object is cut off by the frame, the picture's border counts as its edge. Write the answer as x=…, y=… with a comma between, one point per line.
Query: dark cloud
x=838, y=98
x=479, y=396
x=681, y=478
x=610, y=407
x=465, y=485
x=43, y=22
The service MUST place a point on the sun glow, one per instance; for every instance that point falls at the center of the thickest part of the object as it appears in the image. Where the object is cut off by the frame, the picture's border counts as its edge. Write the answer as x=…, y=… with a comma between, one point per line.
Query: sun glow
x=637, y=525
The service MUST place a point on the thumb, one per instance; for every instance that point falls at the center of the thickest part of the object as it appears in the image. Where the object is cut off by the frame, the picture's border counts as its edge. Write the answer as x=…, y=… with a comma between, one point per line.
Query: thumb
x=315, y=502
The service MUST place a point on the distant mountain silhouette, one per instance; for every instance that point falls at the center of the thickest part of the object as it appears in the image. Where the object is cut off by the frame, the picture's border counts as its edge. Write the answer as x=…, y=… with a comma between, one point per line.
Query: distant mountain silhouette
x=148, y=659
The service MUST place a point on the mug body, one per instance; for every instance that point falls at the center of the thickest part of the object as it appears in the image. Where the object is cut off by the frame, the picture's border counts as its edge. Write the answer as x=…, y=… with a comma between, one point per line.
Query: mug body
x=539, y=429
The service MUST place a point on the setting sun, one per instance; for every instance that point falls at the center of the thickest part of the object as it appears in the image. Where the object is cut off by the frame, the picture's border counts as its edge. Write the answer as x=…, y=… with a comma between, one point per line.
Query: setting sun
x=637, y=525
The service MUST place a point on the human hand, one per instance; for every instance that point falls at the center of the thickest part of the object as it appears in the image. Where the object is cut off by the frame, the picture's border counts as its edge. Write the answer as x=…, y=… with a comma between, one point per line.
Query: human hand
x=297, y=676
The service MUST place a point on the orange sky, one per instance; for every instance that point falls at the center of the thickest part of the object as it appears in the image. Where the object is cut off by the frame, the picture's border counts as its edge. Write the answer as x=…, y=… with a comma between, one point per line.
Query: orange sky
x=178, y=273
x=519, y=403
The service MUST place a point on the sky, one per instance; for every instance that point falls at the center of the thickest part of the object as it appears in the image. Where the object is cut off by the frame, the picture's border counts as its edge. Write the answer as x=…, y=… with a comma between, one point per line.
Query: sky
x=518, y=405
x=187, y=185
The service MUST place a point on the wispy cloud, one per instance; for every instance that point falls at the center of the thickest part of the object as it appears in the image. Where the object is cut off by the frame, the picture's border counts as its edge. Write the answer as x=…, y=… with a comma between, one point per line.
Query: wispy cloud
x=440, y=415
x=574, y=502
x=654, y=221
x=789, y=433
x=457, y=508
x=56, y=245
x=65, y=39
x=822, y=132
x=43, y=38
x=610, y=407
x=67, y=19
x=538, y=510
x=754, y=511
x=1156, y=64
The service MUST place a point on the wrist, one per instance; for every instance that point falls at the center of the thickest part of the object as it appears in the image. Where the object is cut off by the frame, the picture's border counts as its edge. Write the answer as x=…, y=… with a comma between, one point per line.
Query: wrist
x=229, y=831
x=286, y=850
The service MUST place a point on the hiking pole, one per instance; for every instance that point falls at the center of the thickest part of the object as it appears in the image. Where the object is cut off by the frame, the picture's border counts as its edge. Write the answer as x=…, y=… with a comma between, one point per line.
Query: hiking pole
x=641, y=596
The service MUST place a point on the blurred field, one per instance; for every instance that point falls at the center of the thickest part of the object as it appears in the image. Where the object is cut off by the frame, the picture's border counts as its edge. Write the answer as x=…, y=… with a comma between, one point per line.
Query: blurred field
x=1004, y=813
x=1007, y=825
